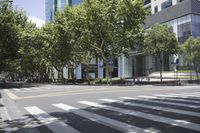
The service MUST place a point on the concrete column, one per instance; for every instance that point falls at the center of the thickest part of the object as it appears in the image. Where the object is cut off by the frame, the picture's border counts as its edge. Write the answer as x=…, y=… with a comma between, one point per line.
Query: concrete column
x=79, y=72
x=55, y=72
x=65, y=72
x=123, y=66
x=100, y=69
x=130, y=66
x=119, y=67
x=174, y=2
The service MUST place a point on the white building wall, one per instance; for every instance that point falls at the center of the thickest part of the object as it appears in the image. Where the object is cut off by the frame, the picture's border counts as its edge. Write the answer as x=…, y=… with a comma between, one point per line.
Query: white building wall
x=130, y=67
x=65, y=72
x=124, y=67
x=120, y=67
x=78, y=72
x=100, y=69
x=55, y=73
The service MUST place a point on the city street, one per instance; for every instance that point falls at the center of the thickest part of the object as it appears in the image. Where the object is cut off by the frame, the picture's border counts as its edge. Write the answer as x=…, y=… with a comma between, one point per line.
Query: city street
x=100, y=109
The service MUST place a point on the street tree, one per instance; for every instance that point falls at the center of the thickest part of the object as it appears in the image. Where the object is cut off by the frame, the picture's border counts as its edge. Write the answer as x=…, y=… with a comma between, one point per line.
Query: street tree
x=112, y=28
x=191, y=53
x=160, y=40
x=67, y=43
x=12, y=22
x=32, y=54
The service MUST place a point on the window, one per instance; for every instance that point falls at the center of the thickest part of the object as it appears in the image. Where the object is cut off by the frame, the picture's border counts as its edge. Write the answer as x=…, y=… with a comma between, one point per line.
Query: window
x=178, y=1
x=147, y=2
x=184, y=31
x=155, y=9
x=166, y=4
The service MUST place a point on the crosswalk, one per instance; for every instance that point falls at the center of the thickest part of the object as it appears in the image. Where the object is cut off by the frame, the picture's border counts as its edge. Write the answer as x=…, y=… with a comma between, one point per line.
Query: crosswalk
x=43, y=88
x=174, y=113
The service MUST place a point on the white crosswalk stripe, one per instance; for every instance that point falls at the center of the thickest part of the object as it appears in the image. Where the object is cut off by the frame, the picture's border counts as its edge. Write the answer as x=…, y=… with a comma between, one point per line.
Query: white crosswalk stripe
x=164, y=98
x=174, y=122
x=57, y=126
x=27, y=89
x=103, y=120
x=160, y=95
x=16, y=89
x=164, y=102
x=197, y=94
x=154, y=107
x=51, y=122
x=177, y=96
x=31, y=89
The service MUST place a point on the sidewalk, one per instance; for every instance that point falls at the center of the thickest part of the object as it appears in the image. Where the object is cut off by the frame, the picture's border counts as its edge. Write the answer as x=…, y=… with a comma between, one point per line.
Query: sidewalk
x=173, y=75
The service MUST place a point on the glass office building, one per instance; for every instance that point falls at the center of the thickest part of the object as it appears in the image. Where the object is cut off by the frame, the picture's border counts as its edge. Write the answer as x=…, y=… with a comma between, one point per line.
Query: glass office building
x=182, y=15
x=51, y=6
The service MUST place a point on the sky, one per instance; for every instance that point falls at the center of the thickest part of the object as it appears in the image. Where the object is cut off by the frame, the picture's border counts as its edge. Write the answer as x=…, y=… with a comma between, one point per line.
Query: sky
x=35, y=10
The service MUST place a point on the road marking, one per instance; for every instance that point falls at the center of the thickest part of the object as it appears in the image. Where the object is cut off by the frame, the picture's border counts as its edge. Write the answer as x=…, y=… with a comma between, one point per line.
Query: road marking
x=190, y=113
x=159, y=95
x=26, y=89
x=102, y=120
x=51, y=122
x=90, y=91
x=162, y=102
x=184, y=124
x=165, y=98
x=11, y=95
x=151, y=97
x=5, y=121
x=15, y=89
x=186, y=94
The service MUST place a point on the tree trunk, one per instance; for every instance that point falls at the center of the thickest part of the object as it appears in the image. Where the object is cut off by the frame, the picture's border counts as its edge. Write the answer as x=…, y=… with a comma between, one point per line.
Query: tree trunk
x=197, y=73
x=52, y=75
x=161, y=67
x=62, y=77
x=73, y=76
x=108, y=73
x=87, y=75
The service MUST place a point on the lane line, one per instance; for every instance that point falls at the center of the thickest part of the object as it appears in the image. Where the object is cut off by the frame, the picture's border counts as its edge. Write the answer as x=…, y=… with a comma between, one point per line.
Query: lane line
x=102, y=120
x=52, y=123
x=166, y=120
x=12, y=95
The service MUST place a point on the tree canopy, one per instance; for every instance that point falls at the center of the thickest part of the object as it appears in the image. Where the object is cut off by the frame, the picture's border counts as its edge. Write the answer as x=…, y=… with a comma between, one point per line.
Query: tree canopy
x=160, y=40
x=12, y=22
x=191, y=49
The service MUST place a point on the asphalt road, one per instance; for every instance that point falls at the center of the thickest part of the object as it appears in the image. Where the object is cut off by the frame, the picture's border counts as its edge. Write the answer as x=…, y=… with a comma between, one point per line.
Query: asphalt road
x=101, y=109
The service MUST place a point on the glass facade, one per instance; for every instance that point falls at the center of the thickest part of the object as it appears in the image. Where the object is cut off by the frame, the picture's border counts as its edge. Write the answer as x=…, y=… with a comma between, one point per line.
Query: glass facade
x=185, y=26
x=74, y=2
x=195, y=25
x=48, y=10
x=166, y=4
x=51, y=6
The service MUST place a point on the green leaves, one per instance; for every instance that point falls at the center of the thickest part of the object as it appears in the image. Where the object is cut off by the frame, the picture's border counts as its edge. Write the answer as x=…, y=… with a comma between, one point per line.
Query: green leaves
x=12, y=23
x=160, y=39
x=191, y=49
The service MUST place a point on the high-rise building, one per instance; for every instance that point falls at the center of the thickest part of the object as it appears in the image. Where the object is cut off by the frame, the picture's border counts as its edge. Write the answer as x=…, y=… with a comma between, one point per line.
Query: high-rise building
x=184, y=18
x=51, y=6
